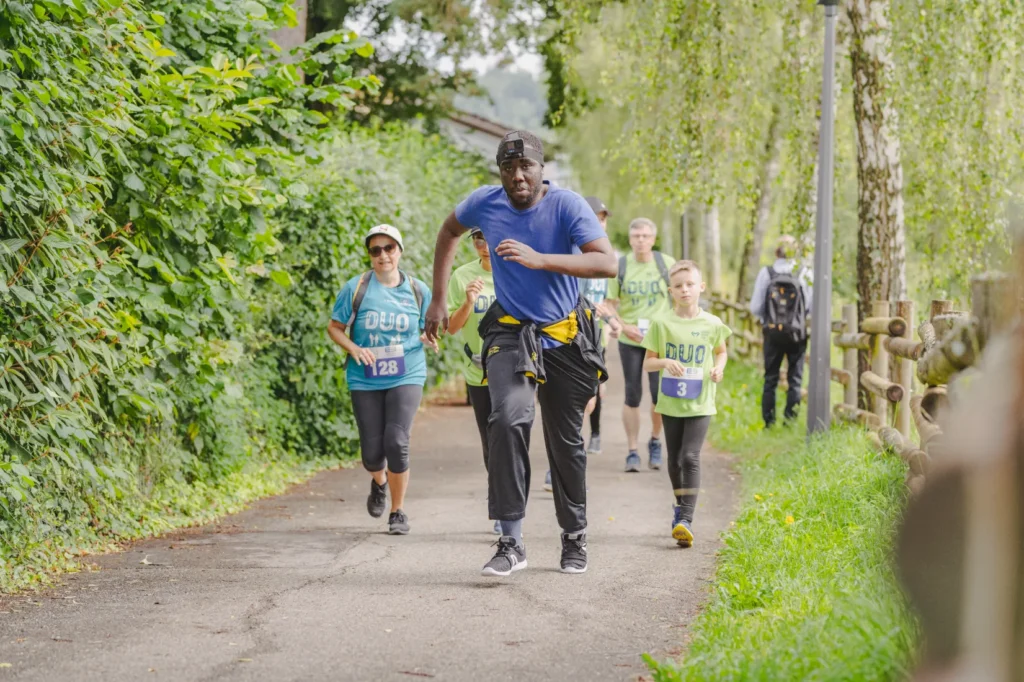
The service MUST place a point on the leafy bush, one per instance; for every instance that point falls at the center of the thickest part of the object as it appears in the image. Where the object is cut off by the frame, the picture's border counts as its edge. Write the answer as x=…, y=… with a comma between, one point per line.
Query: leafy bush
x=162, y=355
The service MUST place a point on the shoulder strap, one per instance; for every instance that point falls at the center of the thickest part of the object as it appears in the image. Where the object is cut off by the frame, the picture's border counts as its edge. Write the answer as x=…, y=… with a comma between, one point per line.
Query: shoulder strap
x=659, y=259
x=357, y=300
x=358, y=296
x=622, y=273
x=771, y=272
x=417, y=294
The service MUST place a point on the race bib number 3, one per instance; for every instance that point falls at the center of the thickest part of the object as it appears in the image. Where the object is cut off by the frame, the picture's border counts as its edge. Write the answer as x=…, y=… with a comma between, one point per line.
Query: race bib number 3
x=390, y=362
x=687, y=387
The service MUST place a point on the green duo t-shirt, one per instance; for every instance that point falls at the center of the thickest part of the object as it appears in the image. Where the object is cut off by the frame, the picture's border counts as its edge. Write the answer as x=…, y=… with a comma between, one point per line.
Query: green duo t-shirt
x=461, y=278
x=643, y=296
x=692, y=342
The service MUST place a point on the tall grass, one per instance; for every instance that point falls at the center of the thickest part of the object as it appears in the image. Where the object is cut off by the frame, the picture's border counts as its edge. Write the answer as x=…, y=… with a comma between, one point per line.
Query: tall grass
x=805, y=588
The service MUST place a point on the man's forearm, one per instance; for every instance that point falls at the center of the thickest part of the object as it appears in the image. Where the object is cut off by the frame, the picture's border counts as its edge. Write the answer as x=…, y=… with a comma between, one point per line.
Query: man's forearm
x=587, y=265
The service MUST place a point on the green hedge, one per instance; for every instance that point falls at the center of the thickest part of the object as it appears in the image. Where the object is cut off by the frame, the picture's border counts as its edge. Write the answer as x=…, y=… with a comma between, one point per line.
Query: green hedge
x=805, y=588
x=176, y=216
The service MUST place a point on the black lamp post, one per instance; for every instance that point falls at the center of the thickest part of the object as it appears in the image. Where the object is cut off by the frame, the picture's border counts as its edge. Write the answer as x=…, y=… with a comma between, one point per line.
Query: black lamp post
x=818, y=410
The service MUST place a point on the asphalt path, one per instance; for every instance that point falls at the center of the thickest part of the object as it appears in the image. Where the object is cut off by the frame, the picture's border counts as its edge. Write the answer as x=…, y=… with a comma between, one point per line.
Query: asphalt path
x=306, y=586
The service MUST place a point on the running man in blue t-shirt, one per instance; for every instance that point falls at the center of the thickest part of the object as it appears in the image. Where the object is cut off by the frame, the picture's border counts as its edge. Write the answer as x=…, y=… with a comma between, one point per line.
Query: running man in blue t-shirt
x=542, y=238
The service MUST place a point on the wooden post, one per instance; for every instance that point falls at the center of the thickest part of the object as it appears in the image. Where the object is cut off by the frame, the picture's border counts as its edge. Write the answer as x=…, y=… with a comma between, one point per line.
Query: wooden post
x=850, y=355
x=993, y=303
x=879, y=362
x=905, y=309
x=940, y=308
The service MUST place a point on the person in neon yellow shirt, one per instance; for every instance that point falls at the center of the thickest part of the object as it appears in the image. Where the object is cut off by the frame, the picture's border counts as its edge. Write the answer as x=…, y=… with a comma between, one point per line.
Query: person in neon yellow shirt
x=639, y=294
x=470, y=294
x=687, y=349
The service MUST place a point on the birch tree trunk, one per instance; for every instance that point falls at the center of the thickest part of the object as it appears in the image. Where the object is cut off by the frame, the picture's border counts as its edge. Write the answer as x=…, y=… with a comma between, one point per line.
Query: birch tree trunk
x=881, y=251
x=770, y=166
x=713, y=249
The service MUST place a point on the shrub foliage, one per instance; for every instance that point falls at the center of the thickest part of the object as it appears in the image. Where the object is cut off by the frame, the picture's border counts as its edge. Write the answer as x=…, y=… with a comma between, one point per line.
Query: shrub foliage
x=176, y=216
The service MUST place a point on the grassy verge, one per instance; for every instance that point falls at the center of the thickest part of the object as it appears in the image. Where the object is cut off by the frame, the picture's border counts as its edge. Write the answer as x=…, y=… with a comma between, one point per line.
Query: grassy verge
x=804, y=588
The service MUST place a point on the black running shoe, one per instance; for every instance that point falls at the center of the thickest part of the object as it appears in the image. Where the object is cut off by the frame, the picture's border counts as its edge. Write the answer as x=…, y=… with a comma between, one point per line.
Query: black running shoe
x=378, y=499
x=574, y=552
x=398, y=523
x=509, y=558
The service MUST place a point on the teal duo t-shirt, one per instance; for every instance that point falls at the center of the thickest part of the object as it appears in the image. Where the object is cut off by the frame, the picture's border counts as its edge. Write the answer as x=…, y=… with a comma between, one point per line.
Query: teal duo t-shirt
x=389, y=323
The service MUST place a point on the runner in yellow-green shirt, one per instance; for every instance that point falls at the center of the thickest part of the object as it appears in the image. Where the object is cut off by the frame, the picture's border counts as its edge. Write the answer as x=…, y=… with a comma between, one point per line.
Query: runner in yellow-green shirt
x=470, y=294
x=687, y=350
x=639, y=295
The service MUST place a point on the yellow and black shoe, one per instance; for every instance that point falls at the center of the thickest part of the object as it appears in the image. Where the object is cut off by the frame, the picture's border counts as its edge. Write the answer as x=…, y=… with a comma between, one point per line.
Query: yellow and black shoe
x=681, y=532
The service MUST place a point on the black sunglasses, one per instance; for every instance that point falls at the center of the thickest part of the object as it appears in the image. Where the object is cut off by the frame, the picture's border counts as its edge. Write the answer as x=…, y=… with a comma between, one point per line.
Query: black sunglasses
x=377, y=250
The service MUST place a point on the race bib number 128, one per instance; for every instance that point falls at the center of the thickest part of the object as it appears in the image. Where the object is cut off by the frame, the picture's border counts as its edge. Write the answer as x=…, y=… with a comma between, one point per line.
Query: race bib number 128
x=390, y=362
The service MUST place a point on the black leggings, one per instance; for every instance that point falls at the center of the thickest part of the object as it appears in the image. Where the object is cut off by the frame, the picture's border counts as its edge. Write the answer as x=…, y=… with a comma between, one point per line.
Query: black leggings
x=384, y=419
x=684, y=437
x=633, y=373
x=480, y=398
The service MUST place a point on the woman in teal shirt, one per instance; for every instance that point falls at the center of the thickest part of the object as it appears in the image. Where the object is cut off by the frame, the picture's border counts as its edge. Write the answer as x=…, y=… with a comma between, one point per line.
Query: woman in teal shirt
x=377, y=319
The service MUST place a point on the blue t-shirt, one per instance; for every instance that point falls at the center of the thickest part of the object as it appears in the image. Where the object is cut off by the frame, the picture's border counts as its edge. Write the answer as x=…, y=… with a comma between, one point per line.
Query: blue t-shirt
x=560, y=223
x=387, y=317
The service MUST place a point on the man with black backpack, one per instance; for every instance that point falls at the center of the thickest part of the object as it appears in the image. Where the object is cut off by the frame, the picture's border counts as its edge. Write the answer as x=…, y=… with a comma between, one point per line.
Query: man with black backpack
x=639, y=294
x=782, y=301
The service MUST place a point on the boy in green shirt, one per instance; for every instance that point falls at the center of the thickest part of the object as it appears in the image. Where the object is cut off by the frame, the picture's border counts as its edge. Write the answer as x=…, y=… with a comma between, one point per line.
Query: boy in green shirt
x=470, y=294
x=687, y=348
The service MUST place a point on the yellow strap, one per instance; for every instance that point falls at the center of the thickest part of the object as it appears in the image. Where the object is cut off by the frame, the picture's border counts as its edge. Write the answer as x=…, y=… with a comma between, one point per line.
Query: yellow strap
x=563, y=331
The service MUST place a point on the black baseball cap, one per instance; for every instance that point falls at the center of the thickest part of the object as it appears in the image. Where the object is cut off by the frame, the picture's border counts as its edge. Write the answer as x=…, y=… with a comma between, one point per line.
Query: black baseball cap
x=597, y=205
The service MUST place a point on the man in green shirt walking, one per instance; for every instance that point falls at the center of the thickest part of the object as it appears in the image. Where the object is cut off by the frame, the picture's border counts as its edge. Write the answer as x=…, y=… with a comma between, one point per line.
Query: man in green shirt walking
x=470, y=294
x=640, y=295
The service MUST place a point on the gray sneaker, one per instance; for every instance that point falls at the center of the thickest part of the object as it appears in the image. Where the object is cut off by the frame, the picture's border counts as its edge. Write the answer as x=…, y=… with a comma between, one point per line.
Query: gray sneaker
x=509, y=558
x=632, y=462
x=377, y=500
x=594, y=446
x=398, y=523
x=654, y=453
x=574, y=552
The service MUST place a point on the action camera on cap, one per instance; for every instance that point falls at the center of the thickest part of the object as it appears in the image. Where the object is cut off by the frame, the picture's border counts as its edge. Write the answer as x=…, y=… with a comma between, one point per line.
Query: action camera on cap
x=514, y=148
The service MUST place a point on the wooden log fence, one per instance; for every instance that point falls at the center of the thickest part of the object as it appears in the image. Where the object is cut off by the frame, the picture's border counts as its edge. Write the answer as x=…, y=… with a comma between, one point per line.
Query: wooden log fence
x=949, y=343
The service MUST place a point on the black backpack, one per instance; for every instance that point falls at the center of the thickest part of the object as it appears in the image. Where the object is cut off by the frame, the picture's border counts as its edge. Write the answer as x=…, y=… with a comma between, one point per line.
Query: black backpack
x=785, y=308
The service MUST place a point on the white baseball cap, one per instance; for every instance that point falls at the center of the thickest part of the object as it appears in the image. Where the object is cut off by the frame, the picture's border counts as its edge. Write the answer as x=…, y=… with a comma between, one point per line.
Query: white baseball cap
x=387, y=231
